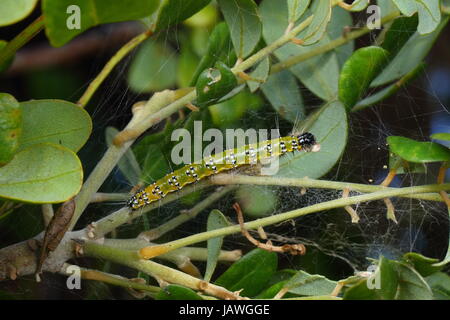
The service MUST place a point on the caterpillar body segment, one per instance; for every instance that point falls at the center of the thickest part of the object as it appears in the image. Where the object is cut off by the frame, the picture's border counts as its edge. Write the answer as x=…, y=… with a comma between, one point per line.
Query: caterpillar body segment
x=227, y=160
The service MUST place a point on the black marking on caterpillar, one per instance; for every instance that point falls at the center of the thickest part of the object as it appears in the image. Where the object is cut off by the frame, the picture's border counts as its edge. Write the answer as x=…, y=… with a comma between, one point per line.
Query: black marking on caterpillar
x=227, y=160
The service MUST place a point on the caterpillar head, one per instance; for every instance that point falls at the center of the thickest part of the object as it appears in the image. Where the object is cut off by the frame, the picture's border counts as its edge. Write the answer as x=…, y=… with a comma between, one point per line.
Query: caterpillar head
x=308, y=142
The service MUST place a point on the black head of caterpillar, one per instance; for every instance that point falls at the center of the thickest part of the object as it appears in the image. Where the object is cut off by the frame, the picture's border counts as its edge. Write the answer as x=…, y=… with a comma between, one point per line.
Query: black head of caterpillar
x=307, y=141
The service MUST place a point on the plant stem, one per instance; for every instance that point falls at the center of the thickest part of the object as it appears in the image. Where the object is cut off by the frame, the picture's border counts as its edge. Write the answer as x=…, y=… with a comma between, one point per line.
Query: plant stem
x=285, y=64
x=123, y=52
x=224, y=179
x=271, y=47
x=154, y=269
x=337, y=203
x=90, y=274
x=186, y=215
x=21, y=39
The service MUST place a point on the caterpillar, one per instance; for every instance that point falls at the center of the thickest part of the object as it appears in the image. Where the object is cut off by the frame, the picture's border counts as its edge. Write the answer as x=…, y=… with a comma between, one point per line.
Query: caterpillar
x=216, y=163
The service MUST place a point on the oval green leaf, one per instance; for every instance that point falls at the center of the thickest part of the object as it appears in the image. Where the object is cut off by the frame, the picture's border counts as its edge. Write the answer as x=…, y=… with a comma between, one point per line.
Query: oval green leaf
x=12, y=11
x=216, y=220
x=219, y=48
x=65, y=19
x=283, y=93
x=415, y=151
x=251, y=273
x=243, y=20
x=42, y=173
x=329, y=125
x=55, y=121
x=214, y=83
x=154, y=68
x=10, y=127
x=358, y=72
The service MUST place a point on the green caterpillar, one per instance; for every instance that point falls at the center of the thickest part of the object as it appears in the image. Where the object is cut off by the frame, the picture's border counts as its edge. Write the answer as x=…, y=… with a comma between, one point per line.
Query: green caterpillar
x=220, y=162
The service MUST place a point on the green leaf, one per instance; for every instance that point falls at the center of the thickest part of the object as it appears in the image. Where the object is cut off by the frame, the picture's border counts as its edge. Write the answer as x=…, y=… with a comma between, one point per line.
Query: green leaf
x=399, y=33
x=250, y=273
x=424, y=265
x=7, y=63
x=352, y=81
x=409, y=56
x=415, y=151
x=306, y=284
x=411, y=284
x=214, y=83
x=428, y=10
x=128, y=164
x=381, y=285
x=319, y=74
x=219, y=48
x=257, y=201
x=441, y=136
x=154, y=68
x=171, y=12
x=388, y=278
x=216, y=220
x=261, y=73
x=360, y=291
x=244, y=23
x=177, y=292
x=440, y=285
x=61, y=15
x=283, y=93
x=321, y=9
x=56, y=121
x=296, y=9
x=329, y=125
x=12, y=11
x=42, y=173
x=10, y=127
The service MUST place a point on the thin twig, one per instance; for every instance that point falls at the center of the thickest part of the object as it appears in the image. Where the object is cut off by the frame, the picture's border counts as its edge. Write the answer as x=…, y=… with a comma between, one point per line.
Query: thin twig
x=21, y=39
x=120, y=54
x=293, y=249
